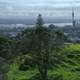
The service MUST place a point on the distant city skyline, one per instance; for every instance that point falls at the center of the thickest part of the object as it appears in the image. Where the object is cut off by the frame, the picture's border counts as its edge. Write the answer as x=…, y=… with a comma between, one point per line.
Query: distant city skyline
x=49, y=8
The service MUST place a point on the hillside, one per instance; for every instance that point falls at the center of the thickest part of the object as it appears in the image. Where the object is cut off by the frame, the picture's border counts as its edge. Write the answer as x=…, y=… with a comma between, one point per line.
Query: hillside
x=69, y=68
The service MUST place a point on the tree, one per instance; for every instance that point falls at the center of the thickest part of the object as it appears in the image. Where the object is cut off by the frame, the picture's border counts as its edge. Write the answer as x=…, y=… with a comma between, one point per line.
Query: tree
x=40, y=21
x=4, y=47
x=40, y=42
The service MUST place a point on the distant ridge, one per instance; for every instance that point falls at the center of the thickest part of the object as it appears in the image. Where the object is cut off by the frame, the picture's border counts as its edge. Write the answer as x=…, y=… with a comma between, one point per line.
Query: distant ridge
x=31, y=21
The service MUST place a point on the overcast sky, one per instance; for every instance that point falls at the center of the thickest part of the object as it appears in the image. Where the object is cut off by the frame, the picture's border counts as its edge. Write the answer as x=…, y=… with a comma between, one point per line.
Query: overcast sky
x=55, y=8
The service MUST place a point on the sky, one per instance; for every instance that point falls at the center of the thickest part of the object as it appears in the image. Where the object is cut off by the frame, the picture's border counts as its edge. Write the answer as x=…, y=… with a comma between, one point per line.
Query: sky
x=49, y=8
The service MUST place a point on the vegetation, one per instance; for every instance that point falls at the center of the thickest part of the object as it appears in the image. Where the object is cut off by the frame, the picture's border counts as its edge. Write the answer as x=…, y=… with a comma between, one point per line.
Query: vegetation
x=40, y=53
x=68, y=70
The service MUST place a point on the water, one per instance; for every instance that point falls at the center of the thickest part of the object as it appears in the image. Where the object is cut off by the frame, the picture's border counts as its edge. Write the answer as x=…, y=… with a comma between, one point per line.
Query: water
x=59, y=24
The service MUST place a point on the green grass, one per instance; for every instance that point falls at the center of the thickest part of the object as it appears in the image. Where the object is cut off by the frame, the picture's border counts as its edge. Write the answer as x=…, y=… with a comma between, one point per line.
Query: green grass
x=15, y=74
x=73, y=47
x=67, y=70
x=67, y=75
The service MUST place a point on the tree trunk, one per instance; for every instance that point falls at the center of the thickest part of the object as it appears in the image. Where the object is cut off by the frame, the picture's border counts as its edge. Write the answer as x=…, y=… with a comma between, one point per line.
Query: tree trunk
x=44, y=75
x=43, y=69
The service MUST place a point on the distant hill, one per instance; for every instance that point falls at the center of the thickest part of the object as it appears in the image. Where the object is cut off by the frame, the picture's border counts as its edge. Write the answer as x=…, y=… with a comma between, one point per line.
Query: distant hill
x=31, y=21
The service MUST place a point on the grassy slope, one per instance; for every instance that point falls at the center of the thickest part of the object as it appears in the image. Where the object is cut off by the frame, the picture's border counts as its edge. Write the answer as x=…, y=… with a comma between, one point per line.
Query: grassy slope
x=15, y=74
x=67, y=70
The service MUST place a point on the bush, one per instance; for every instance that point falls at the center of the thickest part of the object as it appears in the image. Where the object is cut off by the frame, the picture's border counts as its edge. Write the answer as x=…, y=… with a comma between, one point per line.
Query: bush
x=28, y=63
x=54, y=77
x=23, y=67
x=35, y=77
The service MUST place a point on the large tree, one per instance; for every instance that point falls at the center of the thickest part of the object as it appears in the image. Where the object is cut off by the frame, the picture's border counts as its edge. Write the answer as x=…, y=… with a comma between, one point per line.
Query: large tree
x=40, y=42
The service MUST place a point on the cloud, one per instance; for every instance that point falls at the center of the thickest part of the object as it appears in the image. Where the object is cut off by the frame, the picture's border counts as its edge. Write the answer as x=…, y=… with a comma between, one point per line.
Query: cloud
x=33, y=7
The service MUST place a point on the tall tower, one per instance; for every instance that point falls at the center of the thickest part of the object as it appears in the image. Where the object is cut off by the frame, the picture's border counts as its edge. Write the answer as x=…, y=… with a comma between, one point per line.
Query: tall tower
x=73, y=19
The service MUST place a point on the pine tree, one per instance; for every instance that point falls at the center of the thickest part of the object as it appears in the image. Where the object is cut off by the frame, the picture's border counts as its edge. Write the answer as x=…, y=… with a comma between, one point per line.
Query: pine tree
x=40, y=42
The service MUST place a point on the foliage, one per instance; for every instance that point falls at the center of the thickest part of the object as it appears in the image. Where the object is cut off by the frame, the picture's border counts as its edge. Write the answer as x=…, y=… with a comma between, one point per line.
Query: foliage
x=68, y=70
x=7, y=48
x=40, y=42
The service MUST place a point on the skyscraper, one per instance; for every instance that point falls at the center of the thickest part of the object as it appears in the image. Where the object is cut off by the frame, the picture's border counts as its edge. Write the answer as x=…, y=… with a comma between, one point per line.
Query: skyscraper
x=73, y=19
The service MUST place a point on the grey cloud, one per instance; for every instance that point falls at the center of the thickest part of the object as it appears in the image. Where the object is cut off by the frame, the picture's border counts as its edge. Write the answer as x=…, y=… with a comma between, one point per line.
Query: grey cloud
x=33, y=7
